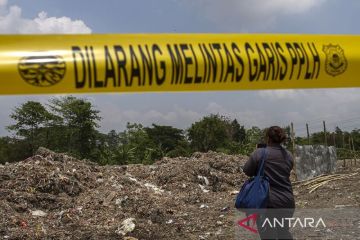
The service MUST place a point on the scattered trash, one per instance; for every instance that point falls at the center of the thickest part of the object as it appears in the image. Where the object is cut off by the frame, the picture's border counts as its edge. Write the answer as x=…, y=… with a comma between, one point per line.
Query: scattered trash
x=343, y=206
x=130, y=238
x=205, y=180
x=109, y=198
x=175, y=198
x=38, y=213
x=235, y=192
x=127, y=226
x=170, y=221
x=225, y=209
x=204, y=206
x=203, y=189
x=153, y=187
x=120, y=201
x=23, y=224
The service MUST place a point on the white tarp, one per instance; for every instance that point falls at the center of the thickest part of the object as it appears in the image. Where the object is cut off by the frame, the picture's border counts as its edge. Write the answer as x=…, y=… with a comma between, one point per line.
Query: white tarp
x=314, y=160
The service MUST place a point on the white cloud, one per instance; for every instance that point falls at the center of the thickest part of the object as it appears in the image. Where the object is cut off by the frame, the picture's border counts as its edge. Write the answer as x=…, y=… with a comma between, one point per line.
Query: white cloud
x=248, y=117
x=287, y=6
x=12, y=21
x=249, y=15
x=338, y=96
x=214, y=108
x=281, y=94
x=338, y=107
x=116, y=118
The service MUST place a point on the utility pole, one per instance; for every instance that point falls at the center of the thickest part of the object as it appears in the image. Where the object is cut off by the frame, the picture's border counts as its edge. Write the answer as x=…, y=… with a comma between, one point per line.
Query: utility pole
x=325, y=133
x=308, y=134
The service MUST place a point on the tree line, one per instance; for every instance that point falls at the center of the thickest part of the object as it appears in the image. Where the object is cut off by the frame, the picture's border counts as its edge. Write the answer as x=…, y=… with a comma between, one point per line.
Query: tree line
x=70, y=124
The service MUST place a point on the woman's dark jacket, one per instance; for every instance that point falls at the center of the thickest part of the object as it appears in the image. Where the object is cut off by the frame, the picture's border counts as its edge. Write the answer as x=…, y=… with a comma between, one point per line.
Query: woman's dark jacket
x=277, y=168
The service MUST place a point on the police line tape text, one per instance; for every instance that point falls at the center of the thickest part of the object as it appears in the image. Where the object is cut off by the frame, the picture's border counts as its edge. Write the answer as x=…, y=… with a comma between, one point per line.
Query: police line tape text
x=202, y=63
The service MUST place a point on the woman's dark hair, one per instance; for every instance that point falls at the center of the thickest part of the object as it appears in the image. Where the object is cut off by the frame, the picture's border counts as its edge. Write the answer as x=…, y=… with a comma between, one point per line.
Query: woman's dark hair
x=276, y=134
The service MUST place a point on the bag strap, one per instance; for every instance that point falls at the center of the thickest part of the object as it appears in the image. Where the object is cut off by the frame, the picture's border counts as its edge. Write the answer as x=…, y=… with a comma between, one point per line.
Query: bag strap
x=263, y=157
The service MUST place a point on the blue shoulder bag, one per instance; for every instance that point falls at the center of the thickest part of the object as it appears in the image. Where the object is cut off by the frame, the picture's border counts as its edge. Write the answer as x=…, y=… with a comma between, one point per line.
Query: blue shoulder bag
x=254, y=194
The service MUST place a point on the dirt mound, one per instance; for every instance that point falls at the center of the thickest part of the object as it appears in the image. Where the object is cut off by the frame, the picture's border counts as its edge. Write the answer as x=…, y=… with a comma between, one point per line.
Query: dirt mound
x=54, y=196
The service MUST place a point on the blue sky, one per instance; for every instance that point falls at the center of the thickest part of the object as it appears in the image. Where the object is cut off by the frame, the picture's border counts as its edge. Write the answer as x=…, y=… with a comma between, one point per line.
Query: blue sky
x=263, y=108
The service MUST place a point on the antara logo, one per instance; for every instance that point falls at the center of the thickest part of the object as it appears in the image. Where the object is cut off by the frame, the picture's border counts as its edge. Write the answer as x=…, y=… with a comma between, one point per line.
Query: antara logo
x=294, y=222
x=250, y=223
x=250, y=220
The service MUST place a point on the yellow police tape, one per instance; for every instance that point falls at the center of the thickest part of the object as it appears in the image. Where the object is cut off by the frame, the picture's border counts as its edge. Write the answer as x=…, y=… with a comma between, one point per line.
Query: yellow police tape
x=35, y=64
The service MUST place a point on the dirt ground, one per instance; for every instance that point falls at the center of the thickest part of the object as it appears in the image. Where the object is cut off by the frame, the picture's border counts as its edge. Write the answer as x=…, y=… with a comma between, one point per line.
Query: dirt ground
x=335, y=194
x=54, y=196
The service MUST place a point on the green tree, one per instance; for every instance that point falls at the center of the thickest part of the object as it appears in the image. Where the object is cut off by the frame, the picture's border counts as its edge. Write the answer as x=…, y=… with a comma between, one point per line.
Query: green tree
x=339, y=137
x=254, y=136
x=31, y=117
x=4, y=149
x=77, y=122
x=210, y=133
x=12, y=149
x=136, y=146
x=170, y=140
x=112, y=140
x=238, y=132
x=318, y=138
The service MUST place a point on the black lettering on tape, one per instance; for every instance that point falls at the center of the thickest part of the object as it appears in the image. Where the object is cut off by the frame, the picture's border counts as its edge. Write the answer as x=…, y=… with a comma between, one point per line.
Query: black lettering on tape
x=284, y=68
x=109, y=68
x=121, y=64
x=79, y=81
x=197, y=78
x=263, y=63
x=188, y=61
x=147, y=63
x=88, y=66
x=159, y=65
x=98, y=82
x=240, y=69
x=253, y=62
x=230, y=70
x=293, y=57
x=177, y=64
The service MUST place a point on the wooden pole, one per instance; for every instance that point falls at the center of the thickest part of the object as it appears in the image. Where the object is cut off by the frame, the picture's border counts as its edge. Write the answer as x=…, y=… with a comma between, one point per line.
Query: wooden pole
x=293, y=137
x=353, y=148
x=325, y=133
x=350, y=150
x=343, y=146
x=352, y=142
x=293, y=148
x=308, y=134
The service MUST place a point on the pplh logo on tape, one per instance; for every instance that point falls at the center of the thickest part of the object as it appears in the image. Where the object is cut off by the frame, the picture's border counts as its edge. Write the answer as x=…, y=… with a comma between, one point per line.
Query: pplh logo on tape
x=336, y=62
x=42, y=71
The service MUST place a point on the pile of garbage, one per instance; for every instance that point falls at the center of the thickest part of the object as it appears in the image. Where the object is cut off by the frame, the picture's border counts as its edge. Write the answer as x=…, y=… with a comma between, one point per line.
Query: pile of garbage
x=54, y=196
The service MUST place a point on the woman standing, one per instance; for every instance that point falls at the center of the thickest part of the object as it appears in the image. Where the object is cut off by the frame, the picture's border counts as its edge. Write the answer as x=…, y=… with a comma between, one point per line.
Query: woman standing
x=277, y=168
